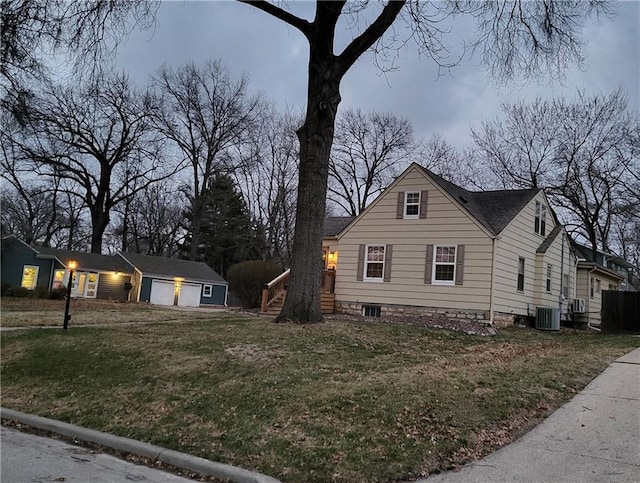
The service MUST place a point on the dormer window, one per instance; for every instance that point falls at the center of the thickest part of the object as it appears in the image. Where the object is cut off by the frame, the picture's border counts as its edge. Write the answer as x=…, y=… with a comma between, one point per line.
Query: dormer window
x=540, y=224
x=411, y=205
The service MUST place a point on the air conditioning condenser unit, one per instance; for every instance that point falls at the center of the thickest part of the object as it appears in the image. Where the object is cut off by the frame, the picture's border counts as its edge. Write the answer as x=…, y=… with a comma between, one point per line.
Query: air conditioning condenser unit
x=578, y=306
x=547, y=318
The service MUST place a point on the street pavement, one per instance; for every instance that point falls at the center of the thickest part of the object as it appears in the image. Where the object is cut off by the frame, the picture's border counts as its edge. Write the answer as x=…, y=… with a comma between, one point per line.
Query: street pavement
x=595, y=437
x=28, y=458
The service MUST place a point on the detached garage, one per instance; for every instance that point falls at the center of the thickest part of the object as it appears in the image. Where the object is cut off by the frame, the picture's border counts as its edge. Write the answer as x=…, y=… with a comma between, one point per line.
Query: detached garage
x=168, y=281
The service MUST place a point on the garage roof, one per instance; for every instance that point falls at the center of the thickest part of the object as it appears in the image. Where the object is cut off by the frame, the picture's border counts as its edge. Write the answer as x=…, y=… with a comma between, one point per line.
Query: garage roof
x=172, y=268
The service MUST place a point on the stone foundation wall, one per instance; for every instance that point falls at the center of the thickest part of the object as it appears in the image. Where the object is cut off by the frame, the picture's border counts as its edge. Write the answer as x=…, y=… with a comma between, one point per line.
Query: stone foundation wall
x=390, y=310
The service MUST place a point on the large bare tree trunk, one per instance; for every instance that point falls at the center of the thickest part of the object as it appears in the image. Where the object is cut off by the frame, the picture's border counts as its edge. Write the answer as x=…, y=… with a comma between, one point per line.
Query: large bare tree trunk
x=316, y=137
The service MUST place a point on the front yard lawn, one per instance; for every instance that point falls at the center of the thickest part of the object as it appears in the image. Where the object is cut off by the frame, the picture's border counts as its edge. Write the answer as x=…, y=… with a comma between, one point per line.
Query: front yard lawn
x=339, y=401
x=28, y=312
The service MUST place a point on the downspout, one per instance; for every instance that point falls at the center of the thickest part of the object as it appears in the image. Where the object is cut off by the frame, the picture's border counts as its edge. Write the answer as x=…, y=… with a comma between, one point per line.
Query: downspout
x=560, y=295
x=226, y=294
x=139, y=288
x=493, y=276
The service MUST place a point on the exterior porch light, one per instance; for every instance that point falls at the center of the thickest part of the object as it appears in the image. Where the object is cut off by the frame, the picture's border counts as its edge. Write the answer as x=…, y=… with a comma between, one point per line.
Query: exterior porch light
x=71, y=265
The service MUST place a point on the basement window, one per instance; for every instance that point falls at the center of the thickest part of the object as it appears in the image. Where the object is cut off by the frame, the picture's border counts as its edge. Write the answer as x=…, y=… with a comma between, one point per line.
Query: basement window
x=371, y=310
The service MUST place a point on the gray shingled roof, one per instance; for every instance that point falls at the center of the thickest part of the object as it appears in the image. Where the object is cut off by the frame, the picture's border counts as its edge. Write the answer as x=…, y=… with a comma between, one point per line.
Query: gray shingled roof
x=86, y=261
x=171, y=267
x=549, y=240
x=493, y=209
x=335, y=224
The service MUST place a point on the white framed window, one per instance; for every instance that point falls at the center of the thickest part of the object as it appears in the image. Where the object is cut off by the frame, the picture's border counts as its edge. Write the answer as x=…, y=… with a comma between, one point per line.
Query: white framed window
x=565, y=285
x=548, y=283
x=411, y=205
x=520, y=274
x=58, y=278
x=444, y=265
x=207, y=290
x=30, y=276
x=540, y=223
x=374, y=263
x=92, y=285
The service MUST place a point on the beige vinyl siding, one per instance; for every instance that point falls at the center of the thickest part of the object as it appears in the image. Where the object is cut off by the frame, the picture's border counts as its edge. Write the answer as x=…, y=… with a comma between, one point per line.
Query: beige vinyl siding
x=445, y=224
x=517, y=240
x=593, y=305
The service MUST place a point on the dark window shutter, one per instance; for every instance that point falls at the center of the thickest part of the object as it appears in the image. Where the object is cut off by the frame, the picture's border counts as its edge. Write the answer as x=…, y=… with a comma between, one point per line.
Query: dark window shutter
x=428, y=264
x=424, y=195
x=360, y=263
x=400, y=207
x=388, y=254
x=459, y=264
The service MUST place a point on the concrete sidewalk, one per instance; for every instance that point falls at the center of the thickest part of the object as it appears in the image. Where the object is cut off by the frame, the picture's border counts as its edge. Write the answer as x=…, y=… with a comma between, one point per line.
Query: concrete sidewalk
x=595, y=437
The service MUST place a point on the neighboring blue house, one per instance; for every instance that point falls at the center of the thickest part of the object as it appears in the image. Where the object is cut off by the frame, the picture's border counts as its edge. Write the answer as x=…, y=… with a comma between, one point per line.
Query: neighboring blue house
x=124, y=277
x=96, y=276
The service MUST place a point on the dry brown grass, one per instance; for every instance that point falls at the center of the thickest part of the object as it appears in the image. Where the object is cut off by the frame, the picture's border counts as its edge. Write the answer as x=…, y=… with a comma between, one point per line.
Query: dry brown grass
x=341, y=401
x=27, y=312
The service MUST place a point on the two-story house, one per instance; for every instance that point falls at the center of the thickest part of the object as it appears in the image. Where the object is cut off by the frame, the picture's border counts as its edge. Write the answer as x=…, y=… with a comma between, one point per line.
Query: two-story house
x=426, y=246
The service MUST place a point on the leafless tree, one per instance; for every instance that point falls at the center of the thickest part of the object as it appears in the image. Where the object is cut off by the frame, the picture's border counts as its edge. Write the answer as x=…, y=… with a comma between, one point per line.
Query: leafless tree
x=369, y=150
x=514, y=38
x=206, y=114
x=91, y=135
x=269, y=181
x=32, y=30
x=155, y=222
x=581, y=152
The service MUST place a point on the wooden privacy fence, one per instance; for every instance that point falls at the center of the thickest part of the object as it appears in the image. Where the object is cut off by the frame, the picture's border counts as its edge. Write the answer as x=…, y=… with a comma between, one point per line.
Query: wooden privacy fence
x=620, y=312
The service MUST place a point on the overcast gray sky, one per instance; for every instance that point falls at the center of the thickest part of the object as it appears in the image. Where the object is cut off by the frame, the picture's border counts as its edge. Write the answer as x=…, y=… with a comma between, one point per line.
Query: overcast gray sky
x=274, y=56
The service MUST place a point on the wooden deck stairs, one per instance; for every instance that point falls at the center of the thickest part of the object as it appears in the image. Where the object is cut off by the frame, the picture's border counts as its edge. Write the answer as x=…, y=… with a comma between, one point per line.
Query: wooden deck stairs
x=275, y=292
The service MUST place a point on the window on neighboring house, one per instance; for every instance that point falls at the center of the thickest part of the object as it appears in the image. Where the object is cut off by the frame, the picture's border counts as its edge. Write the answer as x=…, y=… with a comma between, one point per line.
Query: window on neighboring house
x=58, y=279
x=444, y=265
x=597, y=285
x=411, y=205
x=592, y=287
x=207, y=291
x=374, y=262
x=540, y=224
x=371, y=310
x=613, y=286
x=521, y=274
x=565, y=285
x=92, y=285
x=30, y=277
x=548, y=284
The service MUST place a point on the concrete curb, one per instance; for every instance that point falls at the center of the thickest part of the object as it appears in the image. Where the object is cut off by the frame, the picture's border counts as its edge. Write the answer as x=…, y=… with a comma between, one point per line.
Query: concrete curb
x=146, y=450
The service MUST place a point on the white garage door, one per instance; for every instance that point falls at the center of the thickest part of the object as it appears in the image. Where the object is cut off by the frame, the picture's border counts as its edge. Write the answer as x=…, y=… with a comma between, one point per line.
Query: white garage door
x=189, y=295
x=161, y=292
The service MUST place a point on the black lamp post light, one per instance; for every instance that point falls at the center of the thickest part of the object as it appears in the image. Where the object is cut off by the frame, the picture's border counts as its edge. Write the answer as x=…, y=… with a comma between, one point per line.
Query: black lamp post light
x=71, y=266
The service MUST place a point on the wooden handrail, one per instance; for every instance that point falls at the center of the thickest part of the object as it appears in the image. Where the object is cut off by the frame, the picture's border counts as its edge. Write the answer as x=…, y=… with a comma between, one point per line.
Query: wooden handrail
x=278, y=286
x=274, y=289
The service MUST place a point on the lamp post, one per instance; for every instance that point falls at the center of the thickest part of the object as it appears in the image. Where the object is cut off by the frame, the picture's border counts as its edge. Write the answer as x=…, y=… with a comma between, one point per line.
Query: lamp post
x=72, y=264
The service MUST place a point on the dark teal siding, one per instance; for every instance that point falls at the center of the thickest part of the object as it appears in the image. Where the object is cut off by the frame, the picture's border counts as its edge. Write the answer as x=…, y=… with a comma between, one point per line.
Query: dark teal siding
x=112, y=288
x=145, y=290
x=15, y=255
x=218, y=293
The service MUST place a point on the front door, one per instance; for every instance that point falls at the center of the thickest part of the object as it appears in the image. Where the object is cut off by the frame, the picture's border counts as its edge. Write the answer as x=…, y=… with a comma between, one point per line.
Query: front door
x=85, y=285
